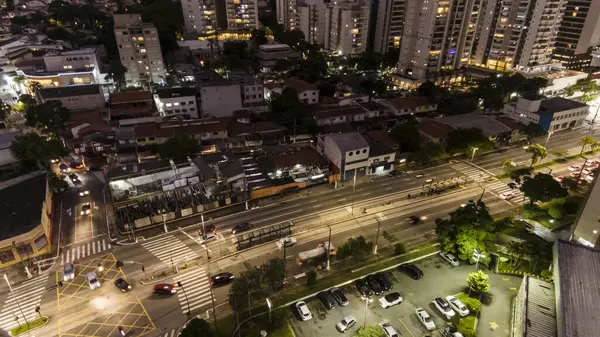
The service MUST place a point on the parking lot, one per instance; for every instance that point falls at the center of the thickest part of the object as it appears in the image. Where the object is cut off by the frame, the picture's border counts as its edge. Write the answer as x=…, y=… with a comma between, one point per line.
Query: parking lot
x=440, y=279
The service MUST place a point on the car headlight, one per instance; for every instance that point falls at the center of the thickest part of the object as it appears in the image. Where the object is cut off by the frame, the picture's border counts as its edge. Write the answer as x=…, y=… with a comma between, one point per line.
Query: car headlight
x=128, y=287
x=87, y=212
x=82, y=212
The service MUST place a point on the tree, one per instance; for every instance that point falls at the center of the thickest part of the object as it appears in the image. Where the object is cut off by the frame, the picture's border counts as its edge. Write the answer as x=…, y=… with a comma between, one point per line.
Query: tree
x=59, y=33
x=477, y=282
x=465, y=140
x=407, y=135
x=538, y=152
x=50, y=115
x=287, y=110
x=533, y=130
x=56, y=183
x=370, y=331
x=179, y=148
x=557, y=212
x=569, y=183
x=517, y=174
x=311, y=278
x=585, y=141
x=542, y=187
x=197, y=328
x=430, y=90
x=508, y=164
x=430, y=152
x=274, y=273
x=358, y=248
x=34, y=86
x=258, y=37
x=31, y=148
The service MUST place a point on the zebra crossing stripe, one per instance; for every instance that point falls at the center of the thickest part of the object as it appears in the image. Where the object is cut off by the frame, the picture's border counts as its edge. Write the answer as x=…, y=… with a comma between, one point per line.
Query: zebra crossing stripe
x=170, y=249
x=84, y=250
x=198, y=289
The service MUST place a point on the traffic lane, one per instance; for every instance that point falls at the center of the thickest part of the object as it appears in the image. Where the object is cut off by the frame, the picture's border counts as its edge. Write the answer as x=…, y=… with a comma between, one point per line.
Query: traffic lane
x=96, y=197
x=69, y=213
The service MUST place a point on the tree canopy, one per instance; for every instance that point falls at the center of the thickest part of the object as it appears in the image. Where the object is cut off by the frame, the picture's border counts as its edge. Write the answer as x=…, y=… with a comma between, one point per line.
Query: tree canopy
x=358, y=248
x=33, y=148
x=50, y=115
x=179, y=148
x=465, y=140
x=477, y=282
x=256, y=283
x=407, y=135
x=198, y=328
x=287, y=110
x=538, y=152
x=542, y=187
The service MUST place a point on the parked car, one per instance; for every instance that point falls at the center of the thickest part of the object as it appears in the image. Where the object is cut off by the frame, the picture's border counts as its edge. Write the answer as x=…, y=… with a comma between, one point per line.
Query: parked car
x=507, y=195
x=68, y=272
x=411, y=270
x=395, y=173
x=443, y=307
x=92, y=280
x=122, y=284
x=339, y=296
x=303, y=310
x=384, y=280
x=287, y=241
x=86, y=209
x=390, y=299
x=221, y=279
x=388, y=329
x=458, y=306
x=363, y=289
x=327, y=300
x=449, y=258
x=425, y=319
x=574, y=168
x=165, y=289
x=346, y=323
x=209, y=236
x=64, y=168
x=413, y=219
x=374, y=285
x=451, y=331
x=241, y=227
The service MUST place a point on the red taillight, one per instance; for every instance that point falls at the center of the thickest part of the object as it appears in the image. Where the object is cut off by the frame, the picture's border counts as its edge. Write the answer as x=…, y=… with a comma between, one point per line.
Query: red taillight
x=212, y=283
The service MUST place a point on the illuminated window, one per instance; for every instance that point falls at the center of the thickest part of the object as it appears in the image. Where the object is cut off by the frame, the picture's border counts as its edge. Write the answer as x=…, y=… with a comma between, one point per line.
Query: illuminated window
x=140, y=38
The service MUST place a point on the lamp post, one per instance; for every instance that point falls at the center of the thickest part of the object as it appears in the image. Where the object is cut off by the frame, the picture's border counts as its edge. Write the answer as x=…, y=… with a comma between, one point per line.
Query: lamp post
x=548, y=138
x=180, y=285
x=473, y=155
x=377, y=237
x=270, y=305
x=478, y=255
x=16, y=299
x=328, y=248
x=353, y=190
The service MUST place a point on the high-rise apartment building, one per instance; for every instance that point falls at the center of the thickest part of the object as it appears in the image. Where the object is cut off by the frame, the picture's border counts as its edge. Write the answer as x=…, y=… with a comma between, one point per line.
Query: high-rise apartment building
x=242, y=15
x=287, y=13
x=586, y=229
x=346, y=25
x=199, y=16
x=388, y=25
x=311, y=20
x=139, y=49
x=437, y=36
x=579, y=31
x=518, y=34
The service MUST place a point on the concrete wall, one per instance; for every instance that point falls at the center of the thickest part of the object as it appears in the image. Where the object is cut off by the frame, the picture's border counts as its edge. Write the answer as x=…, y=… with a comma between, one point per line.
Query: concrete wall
x=269, y=191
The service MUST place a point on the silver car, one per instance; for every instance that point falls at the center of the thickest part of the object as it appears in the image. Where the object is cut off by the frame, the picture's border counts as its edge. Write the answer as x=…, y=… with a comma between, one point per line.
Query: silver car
x=68, y=272
x=93, y=280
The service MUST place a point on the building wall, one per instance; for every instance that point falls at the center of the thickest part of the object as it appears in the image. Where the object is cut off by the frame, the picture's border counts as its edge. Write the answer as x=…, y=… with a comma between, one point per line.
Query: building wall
x=221, y=100
x=71, y=61
x=309, y=96
x=199, y=16
x=388, y=28
x=346, y=27
x=252, y=93
x=84, y=102
x=287, y=13
x=578, y=31
x=242, y=15
x=311, y=18
x=177, y=106
x=567, y=119
x=588, y=218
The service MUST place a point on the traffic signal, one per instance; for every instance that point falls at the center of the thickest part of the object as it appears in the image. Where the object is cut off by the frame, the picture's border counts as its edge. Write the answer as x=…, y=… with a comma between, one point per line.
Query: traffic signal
x=119, y=264
x=60, y=284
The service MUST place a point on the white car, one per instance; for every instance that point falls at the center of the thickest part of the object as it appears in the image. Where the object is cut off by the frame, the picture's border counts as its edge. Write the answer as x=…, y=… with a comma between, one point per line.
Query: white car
x=586, y=171
x=443, y=307
x=458, y=306
x=589, y=178
x=449, y=258
x=507, y=195
x=425, y=319
x=68, y=272
x=429, y=181
x=303, y=311
x=574, y=168
x=390, y=299
x=346, y=323
x=591, y=163
x=389, y=330
x=84, y=193
x=288, y=241
x=92, y=280
x=209, y=237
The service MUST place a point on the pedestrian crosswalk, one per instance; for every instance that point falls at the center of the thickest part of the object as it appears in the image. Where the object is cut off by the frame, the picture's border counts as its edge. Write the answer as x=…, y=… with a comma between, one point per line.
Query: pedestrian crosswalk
x=473, y=174
x=72, y=253
x=196, y=292
x=27, y=296
x=514, y=195
x=170, y=250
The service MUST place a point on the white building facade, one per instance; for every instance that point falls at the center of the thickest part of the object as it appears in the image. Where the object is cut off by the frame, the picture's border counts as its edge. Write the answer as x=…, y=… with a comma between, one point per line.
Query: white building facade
x=199, y=16
x=346, y=27
x=554, y=114
x=177, y=101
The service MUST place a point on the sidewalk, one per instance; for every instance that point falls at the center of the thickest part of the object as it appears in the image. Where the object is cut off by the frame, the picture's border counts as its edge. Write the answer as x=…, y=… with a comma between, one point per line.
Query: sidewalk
x=494, y=320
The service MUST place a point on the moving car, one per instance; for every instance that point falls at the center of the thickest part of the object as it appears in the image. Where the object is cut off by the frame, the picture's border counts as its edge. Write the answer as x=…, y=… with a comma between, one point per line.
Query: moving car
x=327, y=300
x=443, y=307
x=507, y=195
x=513, y=185
x=221, y=279
x=122, y=284
x=429, y=181
x=394, y=173
x=64, y=168
x=346, y=323
x=339, y=296
x=389, y=330
x=241, y=227
x=390, y=299
x=92, y=280
x=303, y=310
x=165, y=289
x=68, y=272
x=413, y=219
x=74, y=178
x=54, y=160
x=411, y=270
x=425, y=319
x=420, y=175
x=374, y=285
x=86, y=209
x=384, y=280
x=83, y=193
x=458, y=306
x=208, y=229
x=363, y=289
x=449, y=258
x=209, y=236
x=574, y=167
x=288, y=241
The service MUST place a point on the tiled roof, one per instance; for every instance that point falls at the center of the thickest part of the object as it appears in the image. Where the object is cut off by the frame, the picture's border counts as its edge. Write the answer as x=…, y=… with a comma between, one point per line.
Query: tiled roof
x=130, y=97
x=337, y=111
x=434, y=130
x=298, y=84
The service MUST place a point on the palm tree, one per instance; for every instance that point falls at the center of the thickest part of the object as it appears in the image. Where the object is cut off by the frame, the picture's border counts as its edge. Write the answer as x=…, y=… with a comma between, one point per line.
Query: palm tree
x=585, y=141
x=537, y=152
x=594, y=145
x=34, y=86
x=508, y=163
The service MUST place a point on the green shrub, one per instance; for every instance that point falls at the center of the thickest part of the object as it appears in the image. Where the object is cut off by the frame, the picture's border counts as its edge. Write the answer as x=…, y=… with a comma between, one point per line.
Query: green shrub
x=557, y=212
x=399, y=249
x=571, y=206
x=546, y=274
x=466, y=326
x=311, y=278
x=473, y=304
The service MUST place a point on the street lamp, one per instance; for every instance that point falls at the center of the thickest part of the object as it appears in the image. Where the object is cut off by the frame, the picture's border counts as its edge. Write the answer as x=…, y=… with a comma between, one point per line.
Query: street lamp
x=473, y=155
x=328, y=247
x=16, y=299
x=478, y=255
x=270, y=305
x=353, y=190
x=548, y=138
x=377, y=237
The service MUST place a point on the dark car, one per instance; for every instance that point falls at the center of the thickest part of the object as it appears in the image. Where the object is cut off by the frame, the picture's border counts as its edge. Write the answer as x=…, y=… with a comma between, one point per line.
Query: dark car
x=241, y=227
x=208, y=229
x=413, y=219
x=74, y=178
x=411, y=270
x=122, y=284
x=374, y=285
x=64, y=168
x=327, y=300
x=395, y=173
x=363, y=289
x=221, y=279
x=165, y=289
x=384, y=281
x=339, y=296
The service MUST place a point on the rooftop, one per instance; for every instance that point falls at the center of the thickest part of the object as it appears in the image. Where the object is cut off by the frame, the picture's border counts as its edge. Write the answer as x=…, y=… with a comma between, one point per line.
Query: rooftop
x=511, y=123
x=349, y=141
x=21, y=204
x=165, y=130
x=379, y=149
x=557, y=104
x=298, y=84
x=176, y=92
x=337, y=111
x=125, y=170
x=540, y=308
x=578, y=269
x=130, y=97
x=410, y=102
x=210, y=77
x=434, y=130
x=74, y=90
x=271, y=47
x=487, y=124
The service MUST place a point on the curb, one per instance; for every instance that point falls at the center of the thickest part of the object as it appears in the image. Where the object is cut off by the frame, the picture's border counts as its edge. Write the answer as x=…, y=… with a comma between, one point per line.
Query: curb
x=37, y=327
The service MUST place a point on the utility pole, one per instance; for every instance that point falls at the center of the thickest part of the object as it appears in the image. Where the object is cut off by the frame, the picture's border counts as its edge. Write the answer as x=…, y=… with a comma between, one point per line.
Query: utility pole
x=212, y=296
x=328, y=248
x=377, y=237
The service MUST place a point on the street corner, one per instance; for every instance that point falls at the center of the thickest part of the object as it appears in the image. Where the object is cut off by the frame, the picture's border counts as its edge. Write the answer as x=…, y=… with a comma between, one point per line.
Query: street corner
x=78, y=289
x=108, y=317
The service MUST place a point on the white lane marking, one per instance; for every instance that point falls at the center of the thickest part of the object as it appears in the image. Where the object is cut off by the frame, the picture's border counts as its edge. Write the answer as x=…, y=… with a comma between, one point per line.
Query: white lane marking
x=317, y=206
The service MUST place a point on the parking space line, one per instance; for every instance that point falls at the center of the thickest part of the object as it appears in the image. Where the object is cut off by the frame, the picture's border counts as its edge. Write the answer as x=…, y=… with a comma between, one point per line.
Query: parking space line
x=406, y=327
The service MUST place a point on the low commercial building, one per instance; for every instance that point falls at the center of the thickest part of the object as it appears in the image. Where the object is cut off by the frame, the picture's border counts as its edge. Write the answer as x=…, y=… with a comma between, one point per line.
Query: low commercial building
x=269, y=54
x=552, y=114
x=80, y=97
x=489, y=126
x=177, y=101
x=7, y=160
x=130, y=105
x=26, y=210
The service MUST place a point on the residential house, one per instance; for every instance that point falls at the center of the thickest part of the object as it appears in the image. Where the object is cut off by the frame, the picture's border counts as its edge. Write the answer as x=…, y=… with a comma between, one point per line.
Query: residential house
x=80, y=97
x=177, y=101
x=219, y=97
x=409, y=105
x=269, y=54
x=307, y=93
x=130, y=105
